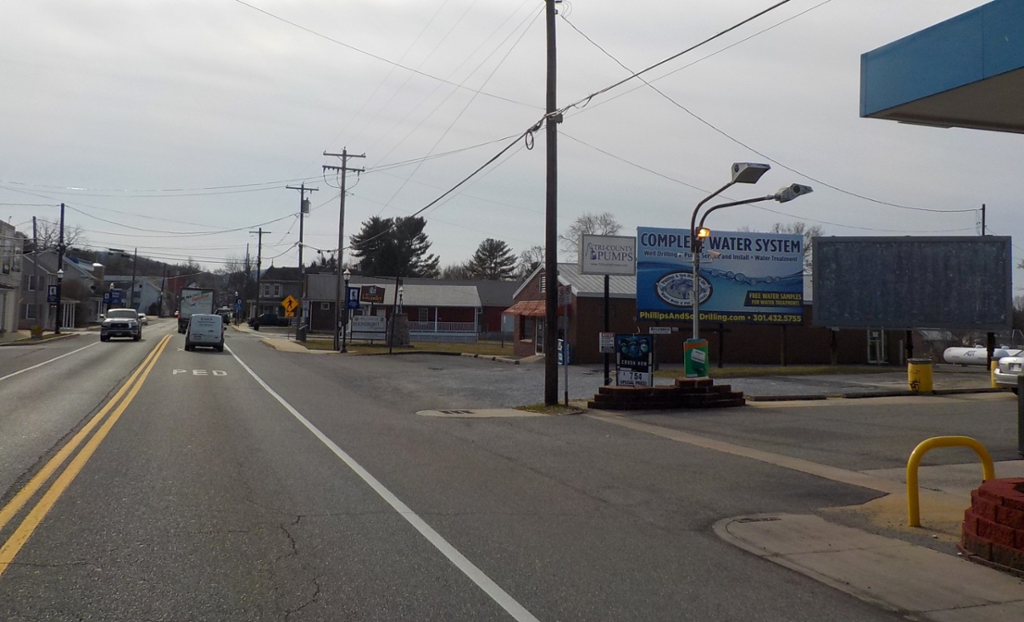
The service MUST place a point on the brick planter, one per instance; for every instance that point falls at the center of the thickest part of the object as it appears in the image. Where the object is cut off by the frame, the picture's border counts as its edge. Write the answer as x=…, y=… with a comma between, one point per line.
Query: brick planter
x=685, y=393
x=993, y=531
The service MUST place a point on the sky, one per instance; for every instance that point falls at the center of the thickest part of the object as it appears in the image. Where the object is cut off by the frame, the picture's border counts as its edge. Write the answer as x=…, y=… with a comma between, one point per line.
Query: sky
x=175, y=126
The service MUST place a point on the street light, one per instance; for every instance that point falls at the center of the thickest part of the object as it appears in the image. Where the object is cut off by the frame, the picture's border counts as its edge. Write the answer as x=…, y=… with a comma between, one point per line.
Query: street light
x=347, y=275
x=742, y=173
x=59, y=319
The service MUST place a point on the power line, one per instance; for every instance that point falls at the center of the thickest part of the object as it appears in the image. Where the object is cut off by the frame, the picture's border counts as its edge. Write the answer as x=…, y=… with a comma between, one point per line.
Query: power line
x=381, y=58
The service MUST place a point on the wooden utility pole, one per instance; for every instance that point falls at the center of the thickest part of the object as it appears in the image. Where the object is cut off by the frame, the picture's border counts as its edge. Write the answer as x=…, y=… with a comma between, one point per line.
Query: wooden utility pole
x=340, y=315
x=60, y=272
x=551, y=220
x=300, y=333
x=259, y=261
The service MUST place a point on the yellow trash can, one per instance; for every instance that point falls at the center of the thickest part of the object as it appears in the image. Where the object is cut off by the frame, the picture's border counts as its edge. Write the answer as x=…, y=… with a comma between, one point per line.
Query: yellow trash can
x=919, y=375
x=992, y=373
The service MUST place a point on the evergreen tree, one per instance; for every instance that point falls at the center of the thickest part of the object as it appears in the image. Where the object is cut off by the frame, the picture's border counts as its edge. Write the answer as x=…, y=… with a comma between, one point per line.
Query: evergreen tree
x=394, y=247
x=493, y=261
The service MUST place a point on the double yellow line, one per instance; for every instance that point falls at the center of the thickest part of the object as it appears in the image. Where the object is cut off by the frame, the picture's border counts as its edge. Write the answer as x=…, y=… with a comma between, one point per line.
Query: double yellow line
x=35, y=516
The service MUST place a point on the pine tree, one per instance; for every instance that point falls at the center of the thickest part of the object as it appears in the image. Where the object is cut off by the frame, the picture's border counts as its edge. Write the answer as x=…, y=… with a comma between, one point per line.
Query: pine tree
x=394, y=247
x=493, y=261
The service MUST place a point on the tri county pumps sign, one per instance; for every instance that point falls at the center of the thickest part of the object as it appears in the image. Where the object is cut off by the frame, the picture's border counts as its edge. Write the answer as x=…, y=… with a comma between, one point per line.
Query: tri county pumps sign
x=607, y=254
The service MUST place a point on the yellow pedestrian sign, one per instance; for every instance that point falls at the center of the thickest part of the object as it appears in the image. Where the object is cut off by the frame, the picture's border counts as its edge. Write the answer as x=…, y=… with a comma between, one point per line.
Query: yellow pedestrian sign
x=290, y=305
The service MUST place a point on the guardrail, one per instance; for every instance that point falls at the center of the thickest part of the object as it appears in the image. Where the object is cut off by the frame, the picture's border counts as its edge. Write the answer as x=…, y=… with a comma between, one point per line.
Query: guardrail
x=913, y=500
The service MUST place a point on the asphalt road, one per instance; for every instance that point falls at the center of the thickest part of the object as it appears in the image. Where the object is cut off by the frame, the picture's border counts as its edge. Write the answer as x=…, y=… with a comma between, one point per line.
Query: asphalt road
x=262, y=485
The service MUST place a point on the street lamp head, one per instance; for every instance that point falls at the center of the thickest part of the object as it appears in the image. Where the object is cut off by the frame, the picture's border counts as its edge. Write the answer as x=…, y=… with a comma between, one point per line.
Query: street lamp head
x=60, y=274
x=748, y=172
x=347, y=275
x=787, y=194
x=703, y=232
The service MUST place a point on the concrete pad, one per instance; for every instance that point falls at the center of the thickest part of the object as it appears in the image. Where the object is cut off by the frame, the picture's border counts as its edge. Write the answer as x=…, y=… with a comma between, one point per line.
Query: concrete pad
x=897, y=575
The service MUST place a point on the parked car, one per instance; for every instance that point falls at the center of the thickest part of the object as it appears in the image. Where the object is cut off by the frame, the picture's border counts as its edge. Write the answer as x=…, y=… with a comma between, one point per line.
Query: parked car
x=1007, y=371
x=143, y=319
x=205, y=330
x=120, y=323
x=268, y=319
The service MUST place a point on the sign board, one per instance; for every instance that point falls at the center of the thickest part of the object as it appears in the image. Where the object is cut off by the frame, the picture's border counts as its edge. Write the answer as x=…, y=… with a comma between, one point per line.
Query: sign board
x=290, y=304
x=51, y=294
x=369, y=327
x=634, y=360
x=372, y=294
x=115, y=296
x=756, y=278
x=564, y=295
x=607, y=254
x=660, y=330
x=564, y=352
x=106, y=298
x=606, y=343
x=352, y=298
x=960, y=283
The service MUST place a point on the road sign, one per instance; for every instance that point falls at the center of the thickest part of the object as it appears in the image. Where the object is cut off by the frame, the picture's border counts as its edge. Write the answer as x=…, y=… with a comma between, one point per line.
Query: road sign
x=290, y=304
x=115, y=296
x=606, y=343
x=352, y=299
x=51, y=294
x=106, y=298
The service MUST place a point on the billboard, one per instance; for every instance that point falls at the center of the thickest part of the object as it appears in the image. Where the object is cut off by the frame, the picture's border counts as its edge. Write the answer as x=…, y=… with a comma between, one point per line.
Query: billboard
x=745, y=277
x=607, y=254
x=913, y=282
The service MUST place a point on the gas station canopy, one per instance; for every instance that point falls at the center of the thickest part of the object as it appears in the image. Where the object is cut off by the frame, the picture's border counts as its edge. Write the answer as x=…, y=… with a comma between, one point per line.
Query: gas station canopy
x=965, y=72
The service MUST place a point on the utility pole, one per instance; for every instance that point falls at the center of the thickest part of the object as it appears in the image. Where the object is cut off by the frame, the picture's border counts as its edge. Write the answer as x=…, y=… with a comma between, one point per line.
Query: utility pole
x=552, y=120
x=341, y=297
x=135, y=263
x=60, y=271
x=248, y=278
x=35, y=271
x=982, y=219
x=259, y=262
x=300, y=334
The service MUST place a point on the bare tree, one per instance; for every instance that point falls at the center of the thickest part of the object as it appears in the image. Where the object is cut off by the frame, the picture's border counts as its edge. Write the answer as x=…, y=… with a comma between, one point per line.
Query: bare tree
x=458, y=271
x=594, y=224
x=808, y=231
x=528, y=261
x=48, y=235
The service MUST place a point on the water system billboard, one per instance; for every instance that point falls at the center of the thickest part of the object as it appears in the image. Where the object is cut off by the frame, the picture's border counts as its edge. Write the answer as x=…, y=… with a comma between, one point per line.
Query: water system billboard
x=744, y=277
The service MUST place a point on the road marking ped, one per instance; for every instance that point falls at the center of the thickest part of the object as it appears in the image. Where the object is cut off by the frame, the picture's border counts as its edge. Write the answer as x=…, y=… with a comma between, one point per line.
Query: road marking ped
x=40, y=478
x=468, y=568
x=36, y=515
x=56, y=358
x=200, y=372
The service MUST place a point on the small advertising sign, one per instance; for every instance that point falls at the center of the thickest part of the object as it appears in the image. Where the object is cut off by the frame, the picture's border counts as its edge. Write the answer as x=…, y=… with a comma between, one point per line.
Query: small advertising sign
x=115, y=296
x=106, y=298
x=51, y=294
x=372, y=293
x=634, y=360
x=564, y=352
x=606, y=343
x=369, y=327
x=607, y=254
x=660, y=330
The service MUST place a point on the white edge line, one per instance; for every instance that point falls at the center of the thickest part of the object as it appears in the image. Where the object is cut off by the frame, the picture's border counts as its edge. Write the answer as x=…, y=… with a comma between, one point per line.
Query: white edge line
x=467, y=567
x=57, y=358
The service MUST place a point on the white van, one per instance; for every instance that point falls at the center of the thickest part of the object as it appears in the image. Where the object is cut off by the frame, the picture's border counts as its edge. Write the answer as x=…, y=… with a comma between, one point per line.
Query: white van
x=205, y=330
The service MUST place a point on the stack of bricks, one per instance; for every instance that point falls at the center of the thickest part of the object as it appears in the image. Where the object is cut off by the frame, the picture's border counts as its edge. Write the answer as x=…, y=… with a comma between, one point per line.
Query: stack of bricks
x=685, y=393
x=994, y=524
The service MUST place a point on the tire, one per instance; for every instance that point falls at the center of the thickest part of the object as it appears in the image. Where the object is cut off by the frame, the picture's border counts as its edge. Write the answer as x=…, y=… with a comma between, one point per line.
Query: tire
x=188, y=347
x=137, y=338
x=1014, y=388
x=220, y=348
x=102, y=338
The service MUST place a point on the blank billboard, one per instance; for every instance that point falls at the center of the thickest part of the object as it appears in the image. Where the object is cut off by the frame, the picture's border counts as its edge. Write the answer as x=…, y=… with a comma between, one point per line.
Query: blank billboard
x=913, y=282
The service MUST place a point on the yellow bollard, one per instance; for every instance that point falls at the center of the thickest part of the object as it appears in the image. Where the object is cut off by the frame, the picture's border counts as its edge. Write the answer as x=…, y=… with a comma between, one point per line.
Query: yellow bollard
x=919, y=375
x=988, y=469
x=992, y=374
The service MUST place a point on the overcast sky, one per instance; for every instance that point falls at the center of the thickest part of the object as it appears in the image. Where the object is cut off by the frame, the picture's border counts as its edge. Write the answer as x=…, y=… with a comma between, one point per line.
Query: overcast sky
x=158, y=121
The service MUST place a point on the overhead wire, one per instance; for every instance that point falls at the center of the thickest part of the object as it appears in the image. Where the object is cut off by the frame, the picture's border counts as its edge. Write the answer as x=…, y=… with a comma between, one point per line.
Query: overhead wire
x=736, y=140
x=378, y=57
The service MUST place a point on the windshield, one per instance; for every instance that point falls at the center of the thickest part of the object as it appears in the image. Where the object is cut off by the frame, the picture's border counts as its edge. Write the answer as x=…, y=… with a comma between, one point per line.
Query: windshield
x=123, y=314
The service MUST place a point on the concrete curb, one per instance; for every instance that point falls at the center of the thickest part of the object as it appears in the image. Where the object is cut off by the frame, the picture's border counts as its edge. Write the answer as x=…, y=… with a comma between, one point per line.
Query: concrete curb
x=489, y=357
x=852, y=395
x=36, y=342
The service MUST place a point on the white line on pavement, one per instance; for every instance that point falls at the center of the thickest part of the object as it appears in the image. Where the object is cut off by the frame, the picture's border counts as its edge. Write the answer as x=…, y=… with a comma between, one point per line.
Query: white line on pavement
x=492, y=589
x=56, y=358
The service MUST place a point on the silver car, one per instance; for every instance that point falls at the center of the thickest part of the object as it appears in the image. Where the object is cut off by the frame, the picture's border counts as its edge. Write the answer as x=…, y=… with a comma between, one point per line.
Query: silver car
x=121, y=323
x=1008, y=370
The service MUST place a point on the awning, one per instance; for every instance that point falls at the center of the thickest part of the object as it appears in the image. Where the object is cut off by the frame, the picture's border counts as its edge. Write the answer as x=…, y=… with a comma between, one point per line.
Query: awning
x=529, y=308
